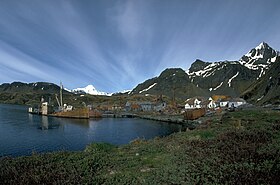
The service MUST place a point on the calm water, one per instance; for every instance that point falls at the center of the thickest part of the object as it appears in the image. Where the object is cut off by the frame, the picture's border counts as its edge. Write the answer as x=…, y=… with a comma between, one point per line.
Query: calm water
x=22, y=133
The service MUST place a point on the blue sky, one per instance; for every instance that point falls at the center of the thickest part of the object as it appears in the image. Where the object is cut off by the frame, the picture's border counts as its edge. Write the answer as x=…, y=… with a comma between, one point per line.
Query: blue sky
x=115, y=45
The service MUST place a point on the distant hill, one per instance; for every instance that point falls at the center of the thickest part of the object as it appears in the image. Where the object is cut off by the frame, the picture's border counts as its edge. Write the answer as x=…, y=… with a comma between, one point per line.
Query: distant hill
x=208, y=78
x=38, y=87
x=29, y=93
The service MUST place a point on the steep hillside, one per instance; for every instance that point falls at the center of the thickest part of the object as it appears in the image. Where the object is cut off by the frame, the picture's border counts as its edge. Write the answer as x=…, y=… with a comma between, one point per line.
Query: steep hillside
x=267, y=89
x=233, y=77
x=229, y=77
x=208, y=78
x=173, y=82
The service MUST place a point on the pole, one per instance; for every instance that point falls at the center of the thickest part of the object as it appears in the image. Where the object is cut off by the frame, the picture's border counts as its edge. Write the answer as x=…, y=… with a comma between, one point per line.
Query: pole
x=61, y=95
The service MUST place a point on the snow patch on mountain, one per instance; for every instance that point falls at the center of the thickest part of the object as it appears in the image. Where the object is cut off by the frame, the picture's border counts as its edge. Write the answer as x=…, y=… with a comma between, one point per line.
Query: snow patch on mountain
x=260, y=98
x=234, y=76
x=90, y=89
x=214, y=89
x=148, y=88
x=261, y=73
x=218, y=86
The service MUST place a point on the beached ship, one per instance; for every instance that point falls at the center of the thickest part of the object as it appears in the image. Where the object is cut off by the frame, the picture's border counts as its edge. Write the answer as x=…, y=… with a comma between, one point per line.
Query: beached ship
x=64, y=110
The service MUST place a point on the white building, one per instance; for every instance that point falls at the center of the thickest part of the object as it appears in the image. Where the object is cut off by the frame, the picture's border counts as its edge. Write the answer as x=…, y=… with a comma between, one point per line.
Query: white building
x=224, y=103
x=193, y=103
x=236, y=102
x=211, y=104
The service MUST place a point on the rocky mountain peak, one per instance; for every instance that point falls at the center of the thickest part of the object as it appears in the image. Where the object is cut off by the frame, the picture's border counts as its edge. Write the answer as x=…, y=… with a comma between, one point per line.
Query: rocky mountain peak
x=259, y=51
x=260, y=54
x=259, y=58
x=198, y=65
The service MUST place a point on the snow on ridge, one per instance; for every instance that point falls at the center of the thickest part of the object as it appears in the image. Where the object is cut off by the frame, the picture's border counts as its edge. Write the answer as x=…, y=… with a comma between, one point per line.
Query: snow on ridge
x=151, y=86
x=261, y=46
x=255, y=56
x=204, y=72
x=250, y=64
x=67, y=89
x=125, y=91
x=234, y=76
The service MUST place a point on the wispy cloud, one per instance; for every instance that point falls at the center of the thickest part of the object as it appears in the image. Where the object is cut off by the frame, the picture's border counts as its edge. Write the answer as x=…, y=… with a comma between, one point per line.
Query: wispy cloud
x=17, y=62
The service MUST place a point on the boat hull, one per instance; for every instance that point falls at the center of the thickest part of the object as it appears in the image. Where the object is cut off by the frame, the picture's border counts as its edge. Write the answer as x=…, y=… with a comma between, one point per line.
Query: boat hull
x=77, y=113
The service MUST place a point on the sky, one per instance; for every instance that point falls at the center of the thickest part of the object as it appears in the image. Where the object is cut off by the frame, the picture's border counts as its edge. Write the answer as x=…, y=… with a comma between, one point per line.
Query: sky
x=117, y=44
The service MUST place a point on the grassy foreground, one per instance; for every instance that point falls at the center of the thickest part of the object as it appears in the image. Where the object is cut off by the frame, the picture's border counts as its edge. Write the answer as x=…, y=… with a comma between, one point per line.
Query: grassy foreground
x=244, y=148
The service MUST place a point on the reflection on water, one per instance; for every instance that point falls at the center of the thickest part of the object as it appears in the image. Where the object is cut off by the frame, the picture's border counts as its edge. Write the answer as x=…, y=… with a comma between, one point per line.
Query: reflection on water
x=21, y=133
x=45, y=123
x=30, y=117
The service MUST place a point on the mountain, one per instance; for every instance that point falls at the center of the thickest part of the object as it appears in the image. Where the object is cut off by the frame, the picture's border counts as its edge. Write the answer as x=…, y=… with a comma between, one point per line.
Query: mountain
x=38, y=87
x=208, y=78
x=28, y=93
x=90, y=89
x=266, y=90
x=172, y=82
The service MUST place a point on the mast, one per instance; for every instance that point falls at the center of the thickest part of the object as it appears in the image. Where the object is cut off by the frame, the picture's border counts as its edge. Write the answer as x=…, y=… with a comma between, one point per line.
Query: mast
x=57, y=100
x=61, y=95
